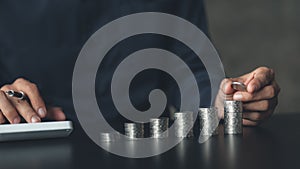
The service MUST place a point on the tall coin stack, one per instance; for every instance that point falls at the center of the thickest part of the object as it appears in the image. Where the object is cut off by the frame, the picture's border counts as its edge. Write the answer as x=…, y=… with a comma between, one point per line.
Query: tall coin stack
x=134, y=130
x=184, y=124
x=233, y=117
x=159, y=127
x=209, y=121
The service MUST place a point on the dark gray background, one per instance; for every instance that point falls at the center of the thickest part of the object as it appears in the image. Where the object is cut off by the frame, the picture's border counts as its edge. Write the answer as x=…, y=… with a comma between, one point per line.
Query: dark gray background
x=252, y=33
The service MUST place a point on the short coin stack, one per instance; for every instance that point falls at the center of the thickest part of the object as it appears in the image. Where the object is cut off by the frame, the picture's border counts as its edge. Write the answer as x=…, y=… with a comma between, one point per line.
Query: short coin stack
x=109, y=136
x=134, y=130
x=233, y=117
x=209, y=121
x=184, y=124
x=159, y=127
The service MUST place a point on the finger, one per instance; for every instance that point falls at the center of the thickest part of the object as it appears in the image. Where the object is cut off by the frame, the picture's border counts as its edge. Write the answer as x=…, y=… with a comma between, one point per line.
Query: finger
x=276, y=86
x=2, y=118
x=226, y=87
x=8, y=109
x=262, y=105
x=267, y=92
x=25, y=110
x=33, y=94
x=255, y=116
x=261, y=77
x=56, y=113
x=247, y=122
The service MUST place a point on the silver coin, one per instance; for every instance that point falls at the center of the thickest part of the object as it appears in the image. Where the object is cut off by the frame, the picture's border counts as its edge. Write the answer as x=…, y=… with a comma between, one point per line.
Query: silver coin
x=184, y=124
x=233, y=117
x=159, y=127
x=109, y=137
x=209, y=121
x=231, y=106
x=134, y=130
x=239, y=86
x=233, y=123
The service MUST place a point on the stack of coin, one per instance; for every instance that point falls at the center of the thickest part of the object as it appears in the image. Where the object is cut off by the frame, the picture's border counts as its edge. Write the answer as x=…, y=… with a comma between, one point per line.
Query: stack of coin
x=209, y=121
x=134, y=130
x=109, y=137
x=184, y=124
x=159, y=127
x=233, y=117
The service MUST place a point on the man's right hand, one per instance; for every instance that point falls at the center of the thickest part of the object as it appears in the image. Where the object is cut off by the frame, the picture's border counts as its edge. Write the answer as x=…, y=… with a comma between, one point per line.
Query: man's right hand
x=12, y=109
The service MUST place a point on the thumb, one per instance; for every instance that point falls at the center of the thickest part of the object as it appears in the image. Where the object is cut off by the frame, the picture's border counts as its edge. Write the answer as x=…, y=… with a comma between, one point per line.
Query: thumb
x=226, y=86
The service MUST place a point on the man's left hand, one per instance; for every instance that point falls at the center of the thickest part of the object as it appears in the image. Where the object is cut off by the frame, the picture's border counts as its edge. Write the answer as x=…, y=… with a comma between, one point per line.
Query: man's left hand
x=260, y=99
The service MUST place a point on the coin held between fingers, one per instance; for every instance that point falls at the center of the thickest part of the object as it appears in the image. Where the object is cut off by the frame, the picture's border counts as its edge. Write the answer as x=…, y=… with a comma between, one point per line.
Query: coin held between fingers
x=239, y=86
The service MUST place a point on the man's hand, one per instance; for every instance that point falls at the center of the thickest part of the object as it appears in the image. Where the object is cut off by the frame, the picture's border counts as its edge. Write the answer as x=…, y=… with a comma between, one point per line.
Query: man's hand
x=12, y=109
x=260, y=99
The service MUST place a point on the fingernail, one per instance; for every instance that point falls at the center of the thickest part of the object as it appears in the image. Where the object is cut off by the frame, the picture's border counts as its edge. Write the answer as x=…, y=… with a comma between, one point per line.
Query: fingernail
x=227, y=85
x=35, y=119
x=237, y=96
x=41, y=112
x=17, y=120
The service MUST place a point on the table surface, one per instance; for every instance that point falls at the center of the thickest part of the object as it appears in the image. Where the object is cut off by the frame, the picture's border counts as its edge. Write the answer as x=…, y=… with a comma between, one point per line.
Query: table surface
x=273, y=145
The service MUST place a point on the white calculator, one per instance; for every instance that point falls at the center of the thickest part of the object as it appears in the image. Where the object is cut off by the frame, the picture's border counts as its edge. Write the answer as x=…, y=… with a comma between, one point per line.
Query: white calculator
x=29, y=131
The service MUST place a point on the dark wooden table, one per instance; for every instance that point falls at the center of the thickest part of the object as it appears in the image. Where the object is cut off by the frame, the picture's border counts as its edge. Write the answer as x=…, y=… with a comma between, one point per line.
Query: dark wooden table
x=273, y=145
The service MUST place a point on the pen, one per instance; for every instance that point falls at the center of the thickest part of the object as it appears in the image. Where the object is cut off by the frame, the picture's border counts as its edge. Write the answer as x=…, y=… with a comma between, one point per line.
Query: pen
x=20, y=95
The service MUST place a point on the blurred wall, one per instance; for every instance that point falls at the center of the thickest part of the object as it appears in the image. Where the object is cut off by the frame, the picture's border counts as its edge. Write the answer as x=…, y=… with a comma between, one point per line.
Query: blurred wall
x=252, y=33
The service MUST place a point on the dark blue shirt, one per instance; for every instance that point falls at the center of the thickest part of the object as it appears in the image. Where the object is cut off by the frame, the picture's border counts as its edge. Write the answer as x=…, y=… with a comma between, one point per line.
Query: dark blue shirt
x=40, y=41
